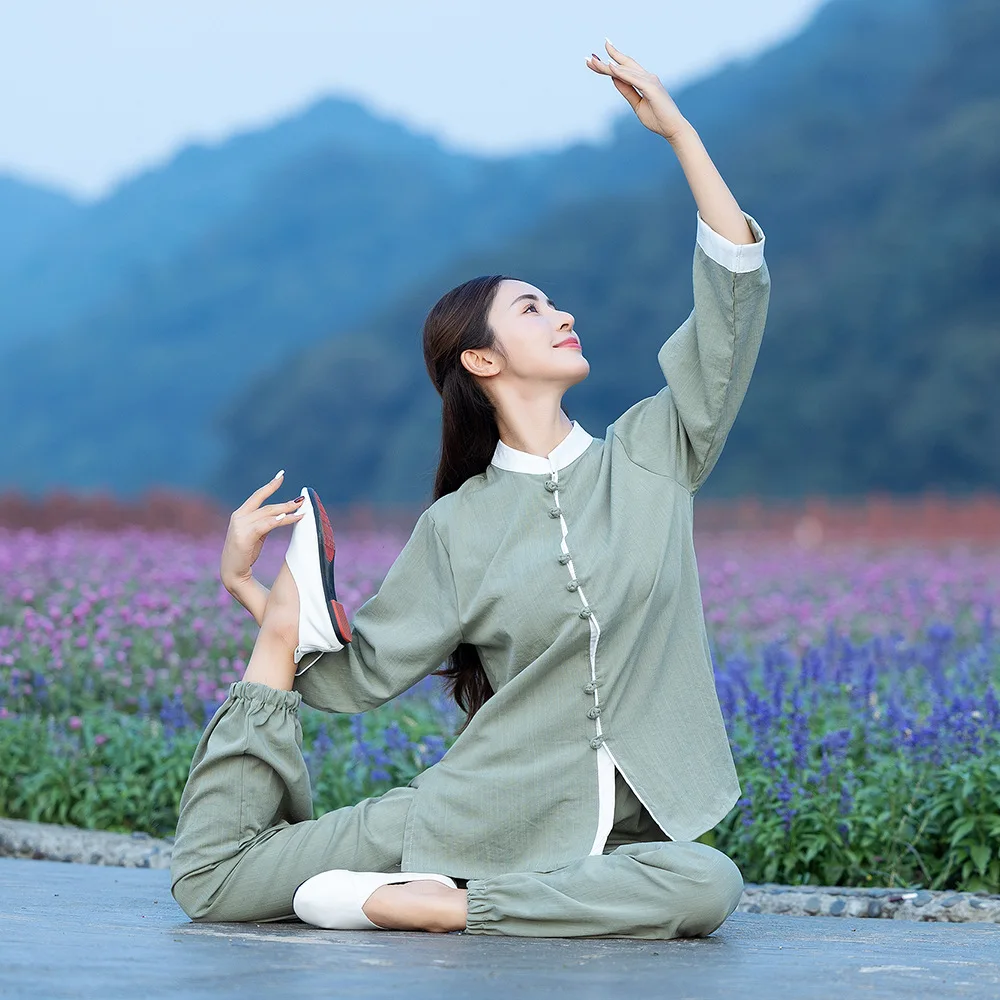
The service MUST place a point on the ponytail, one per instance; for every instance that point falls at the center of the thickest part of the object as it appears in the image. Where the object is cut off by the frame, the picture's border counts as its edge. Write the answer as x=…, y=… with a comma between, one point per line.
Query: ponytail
x=469, y=435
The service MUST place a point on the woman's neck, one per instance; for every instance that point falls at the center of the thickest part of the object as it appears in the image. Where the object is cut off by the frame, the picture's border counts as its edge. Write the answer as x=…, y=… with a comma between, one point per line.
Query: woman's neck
x=534, y=430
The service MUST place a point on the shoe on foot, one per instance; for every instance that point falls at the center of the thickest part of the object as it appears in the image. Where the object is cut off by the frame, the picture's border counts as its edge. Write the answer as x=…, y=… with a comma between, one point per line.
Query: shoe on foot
x=334, y=899
x=323, y=623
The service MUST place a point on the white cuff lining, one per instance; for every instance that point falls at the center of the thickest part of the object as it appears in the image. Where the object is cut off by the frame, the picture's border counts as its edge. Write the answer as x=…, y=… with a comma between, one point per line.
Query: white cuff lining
x=738, y=257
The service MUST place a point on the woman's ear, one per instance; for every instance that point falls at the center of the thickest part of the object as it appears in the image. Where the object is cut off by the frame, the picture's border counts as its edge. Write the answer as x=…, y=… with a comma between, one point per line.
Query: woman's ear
x=480, y=361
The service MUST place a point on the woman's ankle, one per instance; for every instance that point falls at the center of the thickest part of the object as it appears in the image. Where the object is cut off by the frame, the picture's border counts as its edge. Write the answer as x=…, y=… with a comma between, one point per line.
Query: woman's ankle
x=271, y=662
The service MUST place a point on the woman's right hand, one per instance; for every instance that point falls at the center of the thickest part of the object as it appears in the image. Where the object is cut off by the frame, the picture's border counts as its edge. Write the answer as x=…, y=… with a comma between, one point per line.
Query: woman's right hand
x=248, y=527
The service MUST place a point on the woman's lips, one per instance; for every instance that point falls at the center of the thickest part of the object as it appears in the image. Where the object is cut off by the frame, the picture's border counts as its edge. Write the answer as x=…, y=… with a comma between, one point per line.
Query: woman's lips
x=570, y=343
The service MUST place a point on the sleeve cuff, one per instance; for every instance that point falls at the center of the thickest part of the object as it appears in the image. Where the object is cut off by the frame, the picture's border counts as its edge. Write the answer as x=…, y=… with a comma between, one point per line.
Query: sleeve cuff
x=737, y=257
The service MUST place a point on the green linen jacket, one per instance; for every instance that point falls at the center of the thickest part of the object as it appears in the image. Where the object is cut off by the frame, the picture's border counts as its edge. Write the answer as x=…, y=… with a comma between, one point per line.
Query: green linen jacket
x=575, y=576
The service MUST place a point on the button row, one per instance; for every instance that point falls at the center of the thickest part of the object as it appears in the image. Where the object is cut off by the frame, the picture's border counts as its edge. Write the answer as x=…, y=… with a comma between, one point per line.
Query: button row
x=598, y=741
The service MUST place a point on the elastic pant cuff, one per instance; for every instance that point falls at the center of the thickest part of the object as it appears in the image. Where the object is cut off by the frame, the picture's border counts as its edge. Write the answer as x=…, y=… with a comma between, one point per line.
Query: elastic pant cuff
x=265, y=694
x=481, y=916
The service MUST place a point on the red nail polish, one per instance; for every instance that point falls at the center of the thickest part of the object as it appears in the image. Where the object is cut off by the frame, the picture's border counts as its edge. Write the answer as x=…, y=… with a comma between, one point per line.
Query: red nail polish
x=298, y=500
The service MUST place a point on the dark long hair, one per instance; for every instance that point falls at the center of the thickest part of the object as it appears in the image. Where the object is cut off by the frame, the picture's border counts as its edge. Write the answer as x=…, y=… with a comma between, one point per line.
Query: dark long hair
x=469, y=435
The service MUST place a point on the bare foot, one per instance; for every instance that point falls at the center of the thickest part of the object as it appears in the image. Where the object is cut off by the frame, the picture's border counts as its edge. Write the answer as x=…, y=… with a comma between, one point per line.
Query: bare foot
x=421, y=905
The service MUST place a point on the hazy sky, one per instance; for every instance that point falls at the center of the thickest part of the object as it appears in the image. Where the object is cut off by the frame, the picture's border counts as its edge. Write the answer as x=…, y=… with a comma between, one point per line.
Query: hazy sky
x=94, y=90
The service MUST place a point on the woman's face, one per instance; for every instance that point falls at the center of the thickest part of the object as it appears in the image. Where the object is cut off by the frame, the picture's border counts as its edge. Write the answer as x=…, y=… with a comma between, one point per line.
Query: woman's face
x=530, y=330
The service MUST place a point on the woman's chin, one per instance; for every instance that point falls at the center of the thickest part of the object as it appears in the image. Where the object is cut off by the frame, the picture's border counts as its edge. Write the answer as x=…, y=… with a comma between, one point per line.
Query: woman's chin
x=582, y=369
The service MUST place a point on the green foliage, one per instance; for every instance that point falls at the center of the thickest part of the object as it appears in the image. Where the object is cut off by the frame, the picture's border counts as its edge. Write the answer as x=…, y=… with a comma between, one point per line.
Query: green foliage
x=936, y=827
x=121, y=772
x=908, y=826
x=116, y=772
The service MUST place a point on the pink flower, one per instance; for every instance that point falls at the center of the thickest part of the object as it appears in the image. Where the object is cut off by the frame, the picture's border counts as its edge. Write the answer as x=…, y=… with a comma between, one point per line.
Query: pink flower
x=75, y=722
x=100, y=738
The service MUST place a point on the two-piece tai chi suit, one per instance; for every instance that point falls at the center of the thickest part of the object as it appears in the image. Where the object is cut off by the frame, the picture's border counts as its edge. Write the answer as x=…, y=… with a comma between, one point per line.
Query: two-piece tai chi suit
x=570, y=804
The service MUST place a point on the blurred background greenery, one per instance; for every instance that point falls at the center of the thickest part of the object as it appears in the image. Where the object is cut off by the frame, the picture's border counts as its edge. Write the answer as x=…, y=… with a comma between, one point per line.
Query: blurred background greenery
x=258, y=304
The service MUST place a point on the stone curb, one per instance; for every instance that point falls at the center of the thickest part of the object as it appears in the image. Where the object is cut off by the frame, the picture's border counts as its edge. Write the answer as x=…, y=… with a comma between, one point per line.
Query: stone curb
x=49, y=841
x=849, y=901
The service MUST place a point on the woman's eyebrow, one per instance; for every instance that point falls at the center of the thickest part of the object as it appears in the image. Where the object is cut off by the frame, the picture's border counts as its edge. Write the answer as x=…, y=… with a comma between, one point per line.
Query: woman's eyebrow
x=532, y=295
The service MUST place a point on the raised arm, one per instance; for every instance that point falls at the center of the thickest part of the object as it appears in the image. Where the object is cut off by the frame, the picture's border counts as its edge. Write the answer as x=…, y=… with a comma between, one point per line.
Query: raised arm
x=707, y=363
x=402, y=633
x=708, y=360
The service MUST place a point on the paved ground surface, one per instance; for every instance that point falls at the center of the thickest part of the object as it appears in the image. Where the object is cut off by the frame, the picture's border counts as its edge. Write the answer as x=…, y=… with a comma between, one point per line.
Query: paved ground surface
x=52, y=842
x=69, y=930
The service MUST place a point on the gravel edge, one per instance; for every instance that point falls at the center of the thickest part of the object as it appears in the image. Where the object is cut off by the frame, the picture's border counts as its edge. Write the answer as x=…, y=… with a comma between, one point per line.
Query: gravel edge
x=51, y=842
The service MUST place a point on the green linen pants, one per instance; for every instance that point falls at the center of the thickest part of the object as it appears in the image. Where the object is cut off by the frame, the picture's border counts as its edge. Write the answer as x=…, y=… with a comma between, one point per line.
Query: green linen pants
x=246, y=840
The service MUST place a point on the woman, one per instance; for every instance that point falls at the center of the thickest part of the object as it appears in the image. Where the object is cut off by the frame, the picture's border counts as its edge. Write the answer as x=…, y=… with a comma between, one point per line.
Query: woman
x=556, y=572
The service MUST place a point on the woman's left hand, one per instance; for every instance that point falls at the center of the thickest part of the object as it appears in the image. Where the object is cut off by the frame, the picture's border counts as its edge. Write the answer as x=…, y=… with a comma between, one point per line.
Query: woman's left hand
x=653, y=106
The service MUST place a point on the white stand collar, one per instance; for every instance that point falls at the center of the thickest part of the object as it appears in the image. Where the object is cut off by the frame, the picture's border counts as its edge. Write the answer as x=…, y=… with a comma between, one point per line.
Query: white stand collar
x=568, y=450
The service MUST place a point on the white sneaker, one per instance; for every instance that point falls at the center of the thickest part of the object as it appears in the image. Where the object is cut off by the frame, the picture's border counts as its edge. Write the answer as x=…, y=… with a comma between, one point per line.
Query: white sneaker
x=333, y=899
x=323, y=623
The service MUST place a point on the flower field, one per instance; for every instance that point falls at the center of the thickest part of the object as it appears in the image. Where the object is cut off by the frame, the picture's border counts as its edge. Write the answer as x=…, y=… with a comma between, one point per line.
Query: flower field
x=859, y=684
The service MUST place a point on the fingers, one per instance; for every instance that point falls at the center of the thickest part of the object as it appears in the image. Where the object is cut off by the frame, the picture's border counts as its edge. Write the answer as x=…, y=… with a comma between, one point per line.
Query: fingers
x=272, y=510
x=256, y=498
x=594, y=62
x=262, y=521
x=627, y=69
x=638, y=78
x=275, y=514
x=268, y=522
x=629, y=74
x=617, y=73
x=620, y=56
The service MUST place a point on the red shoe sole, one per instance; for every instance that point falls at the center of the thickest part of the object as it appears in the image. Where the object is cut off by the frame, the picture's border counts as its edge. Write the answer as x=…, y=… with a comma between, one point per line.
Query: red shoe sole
x=327, y=550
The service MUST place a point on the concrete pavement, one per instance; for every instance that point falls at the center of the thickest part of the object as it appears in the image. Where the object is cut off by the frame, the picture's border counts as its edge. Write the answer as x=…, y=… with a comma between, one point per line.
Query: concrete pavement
x=71, y=930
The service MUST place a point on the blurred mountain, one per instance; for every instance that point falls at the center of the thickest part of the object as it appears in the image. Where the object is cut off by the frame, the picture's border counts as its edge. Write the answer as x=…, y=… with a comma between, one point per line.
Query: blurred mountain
x=126, y=238
x=217, y=281
x=272, y=316
x=29, y=215
x=868, y=148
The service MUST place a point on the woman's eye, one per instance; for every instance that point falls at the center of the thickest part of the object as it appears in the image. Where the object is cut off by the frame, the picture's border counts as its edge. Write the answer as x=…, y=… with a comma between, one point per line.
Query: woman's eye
x=531, y=306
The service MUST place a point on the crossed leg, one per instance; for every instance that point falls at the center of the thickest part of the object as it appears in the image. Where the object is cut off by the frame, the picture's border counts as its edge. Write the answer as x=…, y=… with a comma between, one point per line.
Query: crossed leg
x=419, y=905
x=245, y=837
